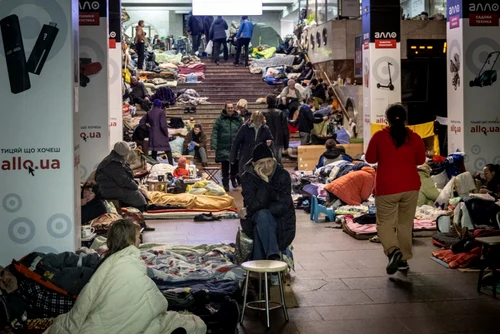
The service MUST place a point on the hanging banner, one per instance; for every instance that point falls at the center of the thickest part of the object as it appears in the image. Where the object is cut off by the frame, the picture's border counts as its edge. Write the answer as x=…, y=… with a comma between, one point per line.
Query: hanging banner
x=94, y=85
x=381, y=61
x=114, y=73
x=39, y=207
x=473, y=39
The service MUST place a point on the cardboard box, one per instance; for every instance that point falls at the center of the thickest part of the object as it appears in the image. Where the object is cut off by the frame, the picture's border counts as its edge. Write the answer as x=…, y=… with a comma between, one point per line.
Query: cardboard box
x=308, y=155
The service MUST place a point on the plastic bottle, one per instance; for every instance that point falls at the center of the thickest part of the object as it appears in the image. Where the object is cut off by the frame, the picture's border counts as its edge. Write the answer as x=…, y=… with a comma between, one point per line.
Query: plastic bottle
x=339, y=81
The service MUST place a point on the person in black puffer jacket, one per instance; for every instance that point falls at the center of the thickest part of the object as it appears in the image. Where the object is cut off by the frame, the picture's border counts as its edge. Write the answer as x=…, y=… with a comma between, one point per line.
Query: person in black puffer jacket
x=252, y=133
x=219, y=37
x=277, y=122
x=268, y=216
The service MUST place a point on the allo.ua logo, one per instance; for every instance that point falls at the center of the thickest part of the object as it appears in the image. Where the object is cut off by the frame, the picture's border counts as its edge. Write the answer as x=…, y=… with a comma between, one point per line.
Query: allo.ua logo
x=484, y=7
x=386, y=35
x=89, y=5
x=454, y=10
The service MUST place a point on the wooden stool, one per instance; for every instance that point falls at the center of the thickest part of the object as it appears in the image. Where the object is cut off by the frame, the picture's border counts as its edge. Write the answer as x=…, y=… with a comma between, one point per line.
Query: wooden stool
x=212, y=173
x=264, y=266
x=490, y=250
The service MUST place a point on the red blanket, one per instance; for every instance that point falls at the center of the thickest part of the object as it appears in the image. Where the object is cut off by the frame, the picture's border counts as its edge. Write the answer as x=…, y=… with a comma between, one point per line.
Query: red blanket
x=187, y=69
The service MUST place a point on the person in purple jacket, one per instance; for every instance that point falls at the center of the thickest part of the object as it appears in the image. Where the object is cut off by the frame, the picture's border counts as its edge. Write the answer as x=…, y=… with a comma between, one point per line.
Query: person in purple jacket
x=158, y=131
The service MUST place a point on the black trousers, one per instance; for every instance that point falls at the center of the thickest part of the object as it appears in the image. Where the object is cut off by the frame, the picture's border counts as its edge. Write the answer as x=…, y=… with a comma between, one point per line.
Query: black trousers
x=154, y=155
x=139, y=48
x=242, y=43
x=229, y=169
x=216, y=49
x=196, y=39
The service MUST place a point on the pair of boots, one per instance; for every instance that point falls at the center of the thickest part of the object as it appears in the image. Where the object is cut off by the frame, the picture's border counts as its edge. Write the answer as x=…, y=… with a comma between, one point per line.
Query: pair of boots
x=235, y=182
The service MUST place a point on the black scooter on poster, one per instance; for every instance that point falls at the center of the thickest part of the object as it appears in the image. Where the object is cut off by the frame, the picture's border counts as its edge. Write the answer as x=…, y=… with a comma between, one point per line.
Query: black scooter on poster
x=390, y=85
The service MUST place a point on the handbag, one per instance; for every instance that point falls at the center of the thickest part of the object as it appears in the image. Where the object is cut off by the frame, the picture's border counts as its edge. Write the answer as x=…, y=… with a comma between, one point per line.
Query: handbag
x=243, y=247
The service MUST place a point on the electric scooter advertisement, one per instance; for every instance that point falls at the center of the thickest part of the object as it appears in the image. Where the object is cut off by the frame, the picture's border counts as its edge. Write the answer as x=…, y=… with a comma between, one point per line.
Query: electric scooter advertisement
x=94, y=85
x=381, y=62
x=474, y=54
x=38, y=148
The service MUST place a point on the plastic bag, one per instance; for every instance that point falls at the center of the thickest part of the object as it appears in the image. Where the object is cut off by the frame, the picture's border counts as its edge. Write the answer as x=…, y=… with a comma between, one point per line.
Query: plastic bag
x=243, y=247
x=209, y=47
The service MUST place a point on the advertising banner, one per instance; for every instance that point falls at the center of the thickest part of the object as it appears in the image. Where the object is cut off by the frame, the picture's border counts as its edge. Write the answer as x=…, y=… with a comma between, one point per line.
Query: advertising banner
x=381, y=62
x=94, y=85
x=473, y=38
x=114, y=73
x=39, y=206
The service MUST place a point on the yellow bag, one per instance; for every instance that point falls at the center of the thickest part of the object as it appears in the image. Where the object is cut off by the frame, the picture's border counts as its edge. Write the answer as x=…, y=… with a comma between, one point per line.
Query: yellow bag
x=126, y=75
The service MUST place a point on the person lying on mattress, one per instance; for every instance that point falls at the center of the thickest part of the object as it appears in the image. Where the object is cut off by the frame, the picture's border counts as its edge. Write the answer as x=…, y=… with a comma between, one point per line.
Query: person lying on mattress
x=115, y=180
x=268, y=216
x=121, y=298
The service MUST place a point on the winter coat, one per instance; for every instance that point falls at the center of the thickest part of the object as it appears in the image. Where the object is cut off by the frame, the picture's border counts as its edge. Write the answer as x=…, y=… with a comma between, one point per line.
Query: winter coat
x=195, y=25
x=218, y=29
x=158, y=131
x=306, y=119
x=353, y=188
x=116, y=181
x=245, y=30
x=121, y=298
x=275, y=196
x=278, y=124
x=319, y=92
x=207, y=24
x=428, y=192
x=245, y=141
x=200, y=139
x=223, y=133
x=245, y=114
x=336, y=154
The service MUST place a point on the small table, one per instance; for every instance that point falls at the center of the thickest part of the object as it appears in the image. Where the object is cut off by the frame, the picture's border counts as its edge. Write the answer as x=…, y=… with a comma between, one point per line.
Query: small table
x=212, y=173
x=489, y=258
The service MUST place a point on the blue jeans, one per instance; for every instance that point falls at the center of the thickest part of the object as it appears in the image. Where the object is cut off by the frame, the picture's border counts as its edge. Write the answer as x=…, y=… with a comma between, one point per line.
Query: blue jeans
x=265, y=236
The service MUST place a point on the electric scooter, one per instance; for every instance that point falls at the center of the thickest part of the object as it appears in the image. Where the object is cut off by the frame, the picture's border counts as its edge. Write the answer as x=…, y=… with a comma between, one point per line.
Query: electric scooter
x=390, y=85
x=486, y=77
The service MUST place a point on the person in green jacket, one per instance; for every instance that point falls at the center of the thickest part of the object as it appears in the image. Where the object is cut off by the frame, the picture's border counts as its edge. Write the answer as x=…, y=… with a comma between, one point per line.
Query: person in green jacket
x=428, y=192
x=225, y=129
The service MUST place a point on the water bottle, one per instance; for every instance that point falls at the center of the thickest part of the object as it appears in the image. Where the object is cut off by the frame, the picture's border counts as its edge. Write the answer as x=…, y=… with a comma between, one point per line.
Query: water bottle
x=372, y=209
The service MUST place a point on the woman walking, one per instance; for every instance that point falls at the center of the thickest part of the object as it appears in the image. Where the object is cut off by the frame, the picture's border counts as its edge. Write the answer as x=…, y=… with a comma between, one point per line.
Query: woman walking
x=158, y=131
x=398, y=151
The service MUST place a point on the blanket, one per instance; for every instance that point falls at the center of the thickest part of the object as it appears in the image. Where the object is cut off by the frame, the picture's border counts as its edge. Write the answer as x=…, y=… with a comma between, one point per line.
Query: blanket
x=121, y=298
x=193, y=68
x=277, y=60
x=355, y=187
x=190, y=96
x=168, y=58
x=183, y=266
x=189, y=201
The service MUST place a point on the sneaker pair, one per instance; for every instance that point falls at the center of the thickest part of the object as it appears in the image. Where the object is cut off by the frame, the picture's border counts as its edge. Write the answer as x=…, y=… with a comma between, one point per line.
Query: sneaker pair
x=188, y=110
x=396, y=262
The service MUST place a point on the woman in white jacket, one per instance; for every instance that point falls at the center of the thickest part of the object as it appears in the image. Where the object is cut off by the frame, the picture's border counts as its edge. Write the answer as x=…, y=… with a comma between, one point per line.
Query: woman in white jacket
x=121, y=298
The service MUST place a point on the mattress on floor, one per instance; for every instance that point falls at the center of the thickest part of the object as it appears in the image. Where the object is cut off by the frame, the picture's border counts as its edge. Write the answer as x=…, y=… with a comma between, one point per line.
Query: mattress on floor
x=188, y=214
x=421, y=228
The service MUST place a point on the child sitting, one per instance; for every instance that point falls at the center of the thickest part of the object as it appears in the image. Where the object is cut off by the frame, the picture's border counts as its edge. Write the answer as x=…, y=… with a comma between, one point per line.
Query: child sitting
x=181, y=171
x=333, y=153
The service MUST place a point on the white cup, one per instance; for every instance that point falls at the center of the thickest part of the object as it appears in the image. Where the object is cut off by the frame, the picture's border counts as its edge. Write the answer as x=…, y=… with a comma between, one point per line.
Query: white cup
x=87, y=231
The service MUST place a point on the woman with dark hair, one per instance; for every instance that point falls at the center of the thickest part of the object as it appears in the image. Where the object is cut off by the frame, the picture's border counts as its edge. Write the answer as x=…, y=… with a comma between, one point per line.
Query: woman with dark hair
x=143, y=308
x=491, y=182
x=198, y=139
x=398, y=151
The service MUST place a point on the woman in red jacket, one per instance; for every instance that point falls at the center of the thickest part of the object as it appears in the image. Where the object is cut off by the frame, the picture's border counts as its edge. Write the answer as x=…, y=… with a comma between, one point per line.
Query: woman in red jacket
x=398, y=151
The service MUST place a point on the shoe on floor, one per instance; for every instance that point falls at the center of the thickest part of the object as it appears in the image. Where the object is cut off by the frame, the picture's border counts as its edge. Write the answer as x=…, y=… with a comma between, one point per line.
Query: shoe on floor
x=186, y=110
x=148, y=228
x=394, y=258
x=234, y=182
x=403, y=265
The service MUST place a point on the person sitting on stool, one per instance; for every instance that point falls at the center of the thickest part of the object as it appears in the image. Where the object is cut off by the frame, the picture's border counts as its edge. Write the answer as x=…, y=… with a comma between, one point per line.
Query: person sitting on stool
x=268, y=216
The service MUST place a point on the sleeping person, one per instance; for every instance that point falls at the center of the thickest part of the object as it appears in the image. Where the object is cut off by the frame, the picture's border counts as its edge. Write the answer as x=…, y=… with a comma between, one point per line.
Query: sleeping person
x=121, y=298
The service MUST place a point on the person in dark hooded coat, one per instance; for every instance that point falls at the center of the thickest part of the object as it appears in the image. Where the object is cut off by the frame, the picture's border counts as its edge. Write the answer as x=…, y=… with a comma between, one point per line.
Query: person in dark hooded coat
x=268, y=216
x=195, y=28
x=207, y=24
x=158, y=131
x=219, y=38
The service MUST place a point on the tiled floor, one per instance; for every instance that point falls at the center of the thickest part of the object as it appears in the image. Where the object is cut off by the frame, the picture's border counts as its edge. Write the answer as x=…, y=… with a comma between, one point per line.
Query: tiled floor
x=341, y=285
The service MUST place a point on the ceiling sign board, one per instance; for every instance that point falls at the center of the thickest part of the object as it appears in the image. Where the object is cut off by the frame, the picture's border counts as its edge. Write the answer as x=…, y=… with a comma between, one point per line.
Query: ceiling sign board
x=227, y=7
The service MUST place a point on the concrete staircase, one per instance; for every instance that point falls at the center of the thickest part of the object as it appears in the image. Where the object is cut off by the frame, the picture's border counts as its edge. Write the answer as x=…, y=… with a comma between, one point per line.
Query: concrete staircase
x=224, y=83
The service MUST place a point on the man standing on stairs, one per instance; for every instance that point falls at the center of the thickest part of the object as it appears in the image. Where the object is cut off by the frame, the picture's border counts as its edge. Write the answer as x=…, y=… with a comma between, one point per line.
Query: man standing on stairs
x=225, y=129
x=277, y=122
x=195, y=29
x=219, y=37
x=243, y=38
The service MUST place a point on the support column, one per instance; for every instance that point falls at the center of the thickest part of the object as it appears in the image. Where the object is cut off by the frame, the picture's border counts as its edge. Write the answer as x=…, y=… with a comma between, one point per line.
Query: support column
x=381, y=61
x=115, y=61
x=473, y=52
x=94, y=84
x=39, y=176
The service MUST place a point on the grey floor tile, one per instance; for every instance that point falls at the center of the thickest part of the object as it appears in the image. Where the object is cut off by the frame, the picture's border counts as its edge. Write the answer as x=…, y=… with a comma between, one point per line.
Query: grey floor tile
x=339, y=297
x=425, y=325
x=361, y=312
x=367, y=326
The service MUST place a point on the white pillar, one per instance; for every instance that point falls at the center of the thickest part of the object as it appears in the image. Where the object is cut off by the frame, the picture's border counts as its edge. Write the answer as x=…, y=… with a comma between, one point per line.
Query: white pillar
x=39, y=193
x=94, y=84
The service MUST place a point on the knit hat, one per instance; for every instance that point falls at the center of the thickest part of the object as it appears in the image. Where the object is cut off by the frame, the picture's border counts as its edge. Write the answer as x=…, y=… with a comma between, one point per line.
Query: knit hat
x=261, y=151
x=157, y=103
x=122, y=148
x=181, y=162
